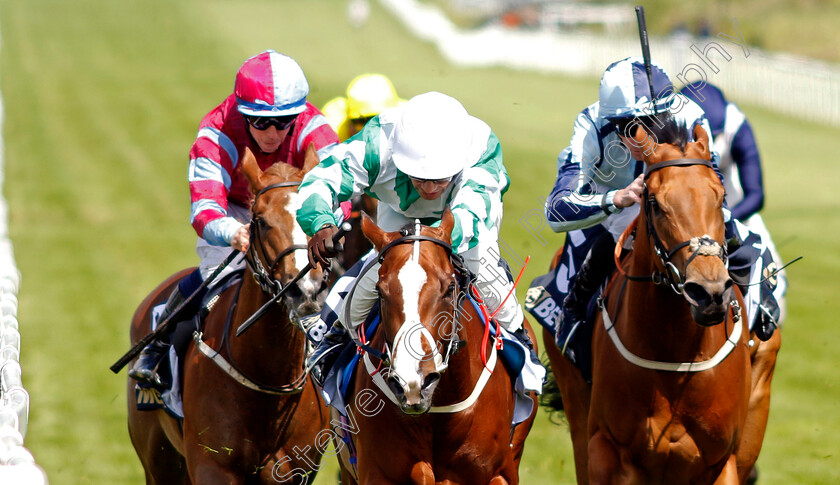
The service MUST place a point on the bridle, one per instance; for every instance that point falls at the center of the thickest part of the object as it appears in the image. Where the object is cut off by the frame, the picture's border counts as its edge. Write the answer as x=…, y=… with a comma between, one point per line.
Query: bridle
x=699, y=245
x=464, y=280
x=254, y=257
x=256, y=252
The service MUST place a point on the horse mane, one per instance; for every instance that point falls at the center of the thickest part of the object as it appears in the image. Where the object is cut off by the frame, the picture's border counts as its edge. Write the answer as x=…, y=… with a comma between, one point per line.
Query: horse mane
x=664, y=128
x=285, y=171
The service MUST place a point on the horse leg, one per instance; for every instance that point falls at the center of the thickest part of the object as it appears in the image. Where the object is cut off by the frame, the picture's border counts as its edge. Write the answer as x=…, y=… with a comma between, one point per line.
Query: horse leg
x=729, y=474
x=763, y=365
x=576, y=395
x=208, y=472
x=498, y=481
x=604, y=460
x=161, y=462
x=422, y=474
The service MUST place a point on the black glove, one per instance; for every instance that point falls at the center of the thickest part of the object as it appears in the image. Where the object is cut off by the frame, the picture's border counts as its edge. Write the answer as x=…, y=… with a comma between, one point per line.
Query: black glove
x=322, y=248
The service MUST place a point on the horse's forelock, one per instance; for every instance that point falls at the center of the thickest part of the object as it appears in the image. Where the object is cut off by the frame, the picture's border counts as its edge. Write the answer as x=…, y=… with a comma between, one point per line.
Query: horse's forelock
x=284, y=171
x=665, y=129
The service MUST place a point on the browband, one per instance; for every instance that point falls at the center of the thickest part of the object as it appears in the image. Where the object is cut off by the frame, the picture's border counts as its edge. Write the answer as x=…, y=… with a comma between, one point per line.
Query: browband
x=680, y=162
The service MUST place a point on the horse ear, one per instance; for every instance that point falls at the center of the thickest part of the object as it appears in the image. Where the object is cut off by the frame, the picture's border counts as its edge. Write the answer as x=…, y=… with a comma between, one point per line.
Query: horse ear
x=447, y=222
x=251, y=170
x=373, y=232
x=310, y=158
x=647, y=144
x=701, y=142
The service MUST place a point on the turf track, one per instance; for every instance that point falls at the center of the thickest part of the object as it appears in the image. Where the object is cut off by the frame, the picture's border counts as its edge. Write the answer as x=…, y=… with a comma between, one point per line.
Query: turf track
x=102, y=102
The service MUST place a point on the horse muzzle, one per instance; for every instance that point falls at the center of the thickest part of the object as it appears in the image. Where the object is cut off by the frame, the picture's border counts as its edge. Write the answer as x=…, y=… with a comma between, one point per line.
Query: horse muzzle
x=307, y=296
x=709, y=300
x=413, y=401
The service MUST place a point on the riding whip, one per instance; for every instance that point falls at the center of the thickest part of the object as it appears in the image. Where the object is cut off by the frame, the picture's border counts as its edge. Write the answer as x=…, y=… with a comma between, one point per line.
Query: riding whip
x=170, y=320
x=643, y=36
x=259, y=313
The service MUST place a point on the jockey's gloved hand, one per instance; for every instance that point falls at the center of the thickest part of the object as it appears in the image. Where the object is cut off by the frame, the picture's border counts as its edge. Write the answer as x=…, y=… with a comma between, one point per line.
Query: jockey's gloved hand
x=322, y=247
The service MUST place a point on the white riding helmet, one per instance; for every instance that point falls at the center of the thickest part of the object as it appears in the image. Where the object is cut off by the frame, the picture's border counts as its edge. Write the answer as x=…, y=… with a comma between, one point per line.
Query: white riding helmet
x=625, y=90
x=432, y=138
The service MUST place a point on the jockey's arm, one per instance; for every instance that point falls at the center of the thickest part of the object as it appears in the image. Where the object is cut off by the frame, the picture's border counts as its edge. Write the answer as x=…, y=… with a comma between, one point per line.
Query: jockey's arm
x=210, y=165
x=477, y=201
x=745, y=155
x=573, y=203
x=340, y=176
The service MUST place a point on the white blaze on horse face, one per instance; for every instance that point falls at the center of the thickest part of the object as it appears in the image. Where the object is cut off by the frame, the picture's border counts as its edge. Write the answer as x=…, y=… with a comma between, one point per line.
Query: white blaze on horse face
x=299, y=239
x=412, y=337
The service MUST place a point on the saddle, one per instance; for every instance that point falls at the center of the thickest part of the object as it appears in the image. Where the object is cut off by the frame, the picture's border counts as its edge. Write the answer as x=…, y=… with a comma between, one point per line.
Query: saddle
x=170, y=368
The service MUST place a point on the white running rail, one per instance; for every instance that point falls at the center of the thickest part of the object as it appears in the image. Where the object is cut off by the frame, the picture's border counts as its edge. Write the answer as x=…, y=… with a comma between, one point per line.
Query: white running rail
x=803, y=88
x=17, y=465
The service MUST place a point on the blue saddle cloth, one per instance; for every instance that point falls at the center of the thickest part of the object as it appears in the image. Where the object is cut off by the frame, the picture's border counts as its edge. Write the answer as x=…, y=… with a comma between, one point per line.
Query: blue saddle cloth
x=544, y=302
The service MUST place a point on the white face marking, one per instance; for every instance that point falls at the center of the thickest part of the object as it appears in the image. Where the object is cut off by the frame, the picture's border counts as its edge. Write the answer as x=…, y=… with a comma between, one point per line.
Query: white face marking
x=408, y=343
x=299, y=238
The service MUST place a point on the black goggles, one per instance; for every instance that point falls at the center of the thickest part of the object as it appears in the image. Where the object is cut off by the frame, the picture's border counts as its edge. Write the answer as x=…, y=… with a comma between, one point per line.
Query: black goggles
x=621, y=126
x=434, y=181
x=263, y=122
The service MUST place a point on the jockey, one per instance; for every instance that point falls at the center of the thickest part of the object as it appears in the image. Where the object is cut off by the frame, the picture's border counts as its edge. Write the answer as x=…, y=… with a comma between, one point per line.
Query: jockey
x=600, y=181
x=267, y=113
x=367, y=96
x=416, y=159
x=740, y=165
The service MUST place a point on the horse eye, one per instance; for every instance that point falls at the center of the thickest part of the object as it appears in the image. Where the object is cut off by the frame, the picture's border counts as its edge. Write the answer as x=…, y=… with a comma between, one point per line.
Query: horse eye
x=450, y=292
x=653, y=203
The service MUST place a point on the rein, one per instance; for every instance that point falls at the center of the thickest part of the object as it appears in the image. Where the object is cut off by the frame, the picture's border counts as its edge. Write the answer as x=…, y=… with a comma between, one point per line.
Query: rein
x=465, y=279
x=268, y=284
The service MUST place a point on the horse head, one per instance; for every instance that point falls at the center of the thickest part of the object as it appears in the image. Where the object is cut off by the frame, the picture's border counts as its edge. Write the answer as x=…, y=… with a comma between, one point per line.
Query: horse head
x=682, y=219
x=418, y=294
x=277, y=250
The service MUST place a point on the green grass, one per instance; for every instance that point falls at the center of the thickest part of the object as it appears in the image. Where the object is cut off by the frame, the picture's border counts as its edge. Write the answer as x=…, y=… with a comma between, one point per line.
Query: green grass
x=102, y=101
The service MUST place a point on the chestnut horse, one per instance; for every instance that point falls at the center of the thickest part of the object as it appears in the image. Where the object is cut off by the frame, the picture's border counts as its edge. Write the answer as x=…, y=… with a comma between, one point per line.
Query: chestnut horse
x=680, y=393
x=431, y=412
x=244, y=429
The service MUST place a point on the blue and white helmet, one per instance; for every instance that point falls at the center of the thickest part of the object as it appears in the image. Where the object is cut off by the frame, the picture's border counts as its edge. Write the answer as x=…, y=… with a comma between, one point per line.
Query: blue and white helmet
x=625, y=91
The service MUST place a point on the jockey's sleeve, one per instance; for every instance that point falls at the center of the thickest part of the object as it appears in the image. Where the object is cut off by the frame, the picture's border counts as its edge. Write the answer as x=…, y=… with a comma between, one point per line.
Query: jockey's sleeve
x=573, y=202
x=213, y=158
x=315, y=130
x=346, y=170
x=477, y=203
x=745, y=155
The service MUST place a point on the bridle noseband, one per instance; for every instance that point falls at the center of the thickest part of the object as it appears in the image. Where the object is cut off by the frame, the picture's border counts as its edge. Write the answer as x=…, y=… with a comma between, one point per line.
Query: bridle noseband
x=464, y=278
x=700, y=245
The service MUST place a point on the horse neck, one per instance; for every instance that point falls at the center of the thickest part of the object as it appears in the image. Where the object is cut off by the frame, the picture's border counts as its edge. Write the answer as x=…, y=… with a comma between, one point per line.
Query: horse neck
x=654, y=314
x=272, y=350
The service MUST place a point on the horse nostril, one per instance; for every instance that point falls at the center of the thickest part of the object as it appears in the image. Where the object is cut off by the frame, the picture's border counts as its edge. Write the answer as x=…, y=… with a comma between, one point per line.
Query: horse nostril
x=726, y=294
x=396, y=387
x=696, y=293
x=431, y=379
x=294, y=292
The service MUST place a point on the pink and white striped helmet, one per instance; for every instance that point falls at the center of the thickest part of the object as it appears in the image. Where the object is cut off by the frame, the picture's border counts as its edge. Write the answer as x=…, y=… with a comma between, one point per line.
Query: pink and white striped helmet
x=270, y=84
